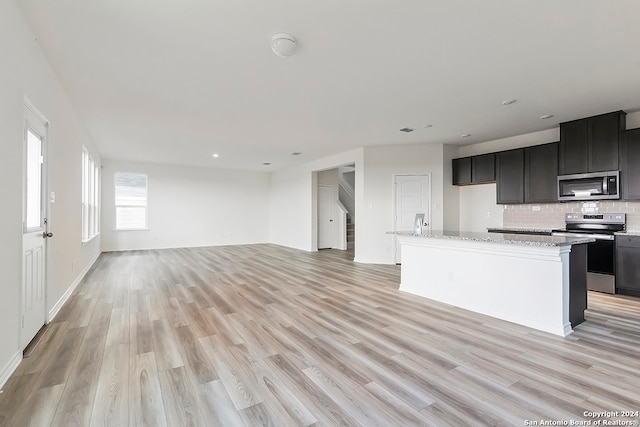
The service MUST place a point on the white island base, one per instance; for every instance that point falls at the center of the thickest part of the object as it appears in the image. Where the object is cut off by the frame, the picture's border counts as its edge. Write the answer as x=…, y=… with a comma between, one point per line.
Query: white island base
x=521, y=283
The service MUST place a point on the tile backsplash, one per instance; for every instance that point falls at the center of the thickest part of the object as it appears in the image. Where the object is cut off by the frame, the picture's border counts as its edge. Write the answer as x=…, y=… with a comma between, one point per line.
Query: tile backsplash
x=551, y=215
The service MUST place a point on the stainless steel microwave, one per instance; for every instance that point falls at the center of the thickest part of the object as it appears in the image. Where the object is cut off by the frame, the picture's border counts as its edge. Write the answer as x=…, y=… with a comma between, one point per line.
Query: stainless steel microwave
x=589, y=186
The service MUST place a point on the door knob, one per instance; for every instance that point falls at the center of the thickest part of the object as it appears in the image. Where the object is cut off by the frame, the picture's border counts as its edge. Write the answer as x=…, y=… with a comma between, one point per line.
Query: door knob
x=45, y=234
x=330, y=220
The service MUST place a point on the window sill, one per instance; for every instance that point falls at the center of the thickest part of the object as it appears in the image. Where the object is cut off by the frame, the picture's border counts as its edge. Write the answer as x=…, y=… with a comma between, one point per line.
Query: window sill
x=86, y=241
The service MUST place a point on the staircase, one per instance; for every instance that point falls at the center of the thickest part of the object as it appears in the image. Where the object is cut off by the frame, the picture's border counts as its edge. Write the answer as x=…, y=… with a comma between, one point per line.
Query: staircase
x=351, y=234
x=346, y=196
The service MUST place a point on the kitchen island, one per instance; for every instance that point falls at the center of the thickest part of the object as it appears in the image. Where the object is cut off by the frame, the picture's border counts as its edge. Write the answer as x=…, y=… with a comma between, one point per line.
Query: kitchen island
x=532, y=280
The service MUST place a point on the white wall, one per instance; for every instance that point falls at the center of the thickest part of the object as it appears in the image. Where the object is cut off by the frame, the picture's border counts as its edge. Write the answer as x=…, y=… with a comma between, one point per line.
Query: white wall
x=478, y=208
x=190, y=206
x=633, y=120
x=526, y=140
x=375, y=217
x=293, y=197
x=25, y=72
x=293, y=200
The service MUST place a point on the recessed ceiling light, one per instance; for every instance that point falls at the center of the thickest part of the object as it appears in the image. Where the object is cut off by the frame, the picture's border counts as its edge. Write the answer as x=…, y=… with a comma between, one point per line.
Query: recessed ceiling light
x=509, y=102
x=406, y=130
x=295, y=153
x=465, y=135
x=546, y=116
x=216, y=155
x=427, y=126
x=266, y=164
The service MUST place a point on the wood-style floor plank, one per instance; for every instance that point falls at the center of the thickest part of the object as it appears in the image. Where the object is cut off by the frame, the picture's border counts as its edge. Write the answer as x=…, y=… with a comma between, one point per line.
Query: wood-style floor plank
x=111, y=404
x=265, y=335
x=181, y=398
x=146, y=407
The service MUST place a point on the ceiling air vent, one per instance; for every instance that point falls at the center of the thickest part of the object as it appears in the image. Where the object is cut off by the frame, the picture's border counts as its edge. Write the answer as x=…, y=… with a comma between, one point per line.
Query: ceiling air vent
x=406, y=130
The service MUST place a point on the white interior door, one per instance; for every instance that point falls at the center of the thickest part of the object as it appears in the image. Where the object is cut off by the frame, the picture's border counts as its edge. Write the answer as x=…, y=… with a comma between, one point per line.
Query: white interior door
x=326, y=213
x=413, y=195
x=34, y=222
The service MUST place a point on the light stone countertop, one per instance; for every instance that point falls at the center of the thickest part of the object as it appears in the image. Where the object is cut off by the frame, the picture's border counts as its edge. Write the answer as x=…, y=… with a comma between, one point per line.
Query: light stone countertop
x=501, y=238
x=628, y=233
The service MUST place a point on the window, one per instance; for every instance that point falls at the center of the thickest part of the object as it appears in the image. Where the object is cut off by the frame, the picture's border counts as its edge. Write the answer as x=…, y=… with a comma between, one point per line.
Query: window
x=34, y=214
x=90, y=197
x=131, y=201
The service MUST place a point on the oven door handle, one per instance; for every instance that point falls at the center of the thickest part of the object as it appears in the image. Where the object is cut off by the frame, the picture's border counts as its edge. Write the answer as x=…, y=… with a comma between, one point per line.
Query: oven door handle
x=588, y=236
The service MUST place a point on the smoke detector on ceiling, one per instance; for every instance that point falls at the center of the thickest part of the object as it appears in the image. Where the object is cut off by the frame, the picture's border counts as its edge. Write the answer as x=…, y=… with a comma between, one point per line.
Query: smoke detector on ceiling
x=284, y=44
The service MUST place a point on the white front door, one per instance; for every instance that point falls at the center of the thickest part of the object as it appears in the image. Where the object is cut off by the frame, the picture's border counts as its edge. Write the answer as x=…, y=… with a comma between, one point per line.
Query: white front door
x=34, y=228
x=413, y=193
x=326, y=212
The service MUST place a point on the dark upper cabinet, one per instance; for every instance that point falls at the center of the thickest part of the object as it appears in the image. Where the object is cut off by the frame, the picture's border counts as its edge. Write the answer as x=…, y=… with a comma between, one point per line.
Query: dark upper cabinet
x=474, y=170
x=541, y=173
x=510, y=176
x=483, y=168
x=630, y=164
x=461, y=171
x=605, y=141
x=591, y=144
x=573, y=151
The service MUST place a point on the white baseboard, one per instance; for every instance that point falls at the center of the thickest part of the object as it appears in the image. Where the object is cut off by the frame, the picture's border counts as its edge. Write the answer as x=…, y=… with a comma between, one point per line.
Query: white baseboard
x=361, y=260
x=10, y=368
x=65, y=297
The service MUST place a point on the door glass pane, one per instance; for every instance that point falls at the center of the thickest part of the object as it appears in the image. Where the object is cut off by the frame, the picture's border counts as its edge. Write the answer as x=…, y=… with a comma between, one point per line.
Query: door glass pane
x=34, y=181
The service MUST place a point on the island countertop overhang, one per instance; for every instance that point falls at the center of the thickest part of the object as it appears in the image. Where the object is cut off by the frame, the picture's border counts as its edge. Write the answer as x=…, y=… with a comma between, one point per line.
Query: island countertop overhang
x=500, y=238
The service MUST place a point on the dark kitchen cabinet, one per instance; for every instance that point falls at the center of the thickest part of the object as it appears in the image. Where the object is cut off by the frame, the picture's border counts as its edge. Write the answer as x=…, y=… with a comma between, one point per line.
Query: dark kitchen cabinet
x=573, y=151
x=605, y=140
x=628, y=265
x=510, y=176
x=483, y=168
x=474, y=170
x=577, y=283
x=461, y=171
x=541, y=173
x=591, y=144
x=630, y=164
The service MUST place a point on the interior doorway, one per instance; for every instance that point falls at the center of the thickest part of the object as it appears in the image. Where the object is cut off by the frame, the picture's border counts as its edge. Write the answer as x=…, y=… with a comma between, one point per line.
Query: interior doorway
x=335, y=208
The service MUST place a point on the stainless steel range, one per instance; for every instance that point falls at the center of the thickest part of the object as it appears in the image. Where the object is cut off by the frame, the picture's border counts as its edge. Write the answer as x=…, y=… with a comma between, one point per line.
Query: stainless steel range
x=601, y=254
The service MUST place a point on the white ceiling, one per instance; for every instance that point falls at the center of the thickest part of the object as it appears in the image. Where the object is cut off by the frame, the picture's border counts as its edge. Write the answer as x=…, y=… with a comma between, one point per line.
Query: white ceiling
x=175, y=81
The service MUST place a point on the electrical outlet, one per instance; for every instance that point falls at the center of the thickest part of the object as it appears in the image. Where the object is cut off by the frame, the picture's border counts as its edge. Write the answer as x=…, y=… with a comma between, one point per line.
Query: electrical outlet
x=536, y=208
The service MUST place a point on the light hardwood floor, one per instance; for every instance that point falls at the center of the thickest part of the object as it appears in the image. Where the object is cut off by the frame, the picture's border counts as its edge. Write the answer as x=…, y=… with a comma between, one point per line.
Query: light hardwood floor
x=265, y=335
